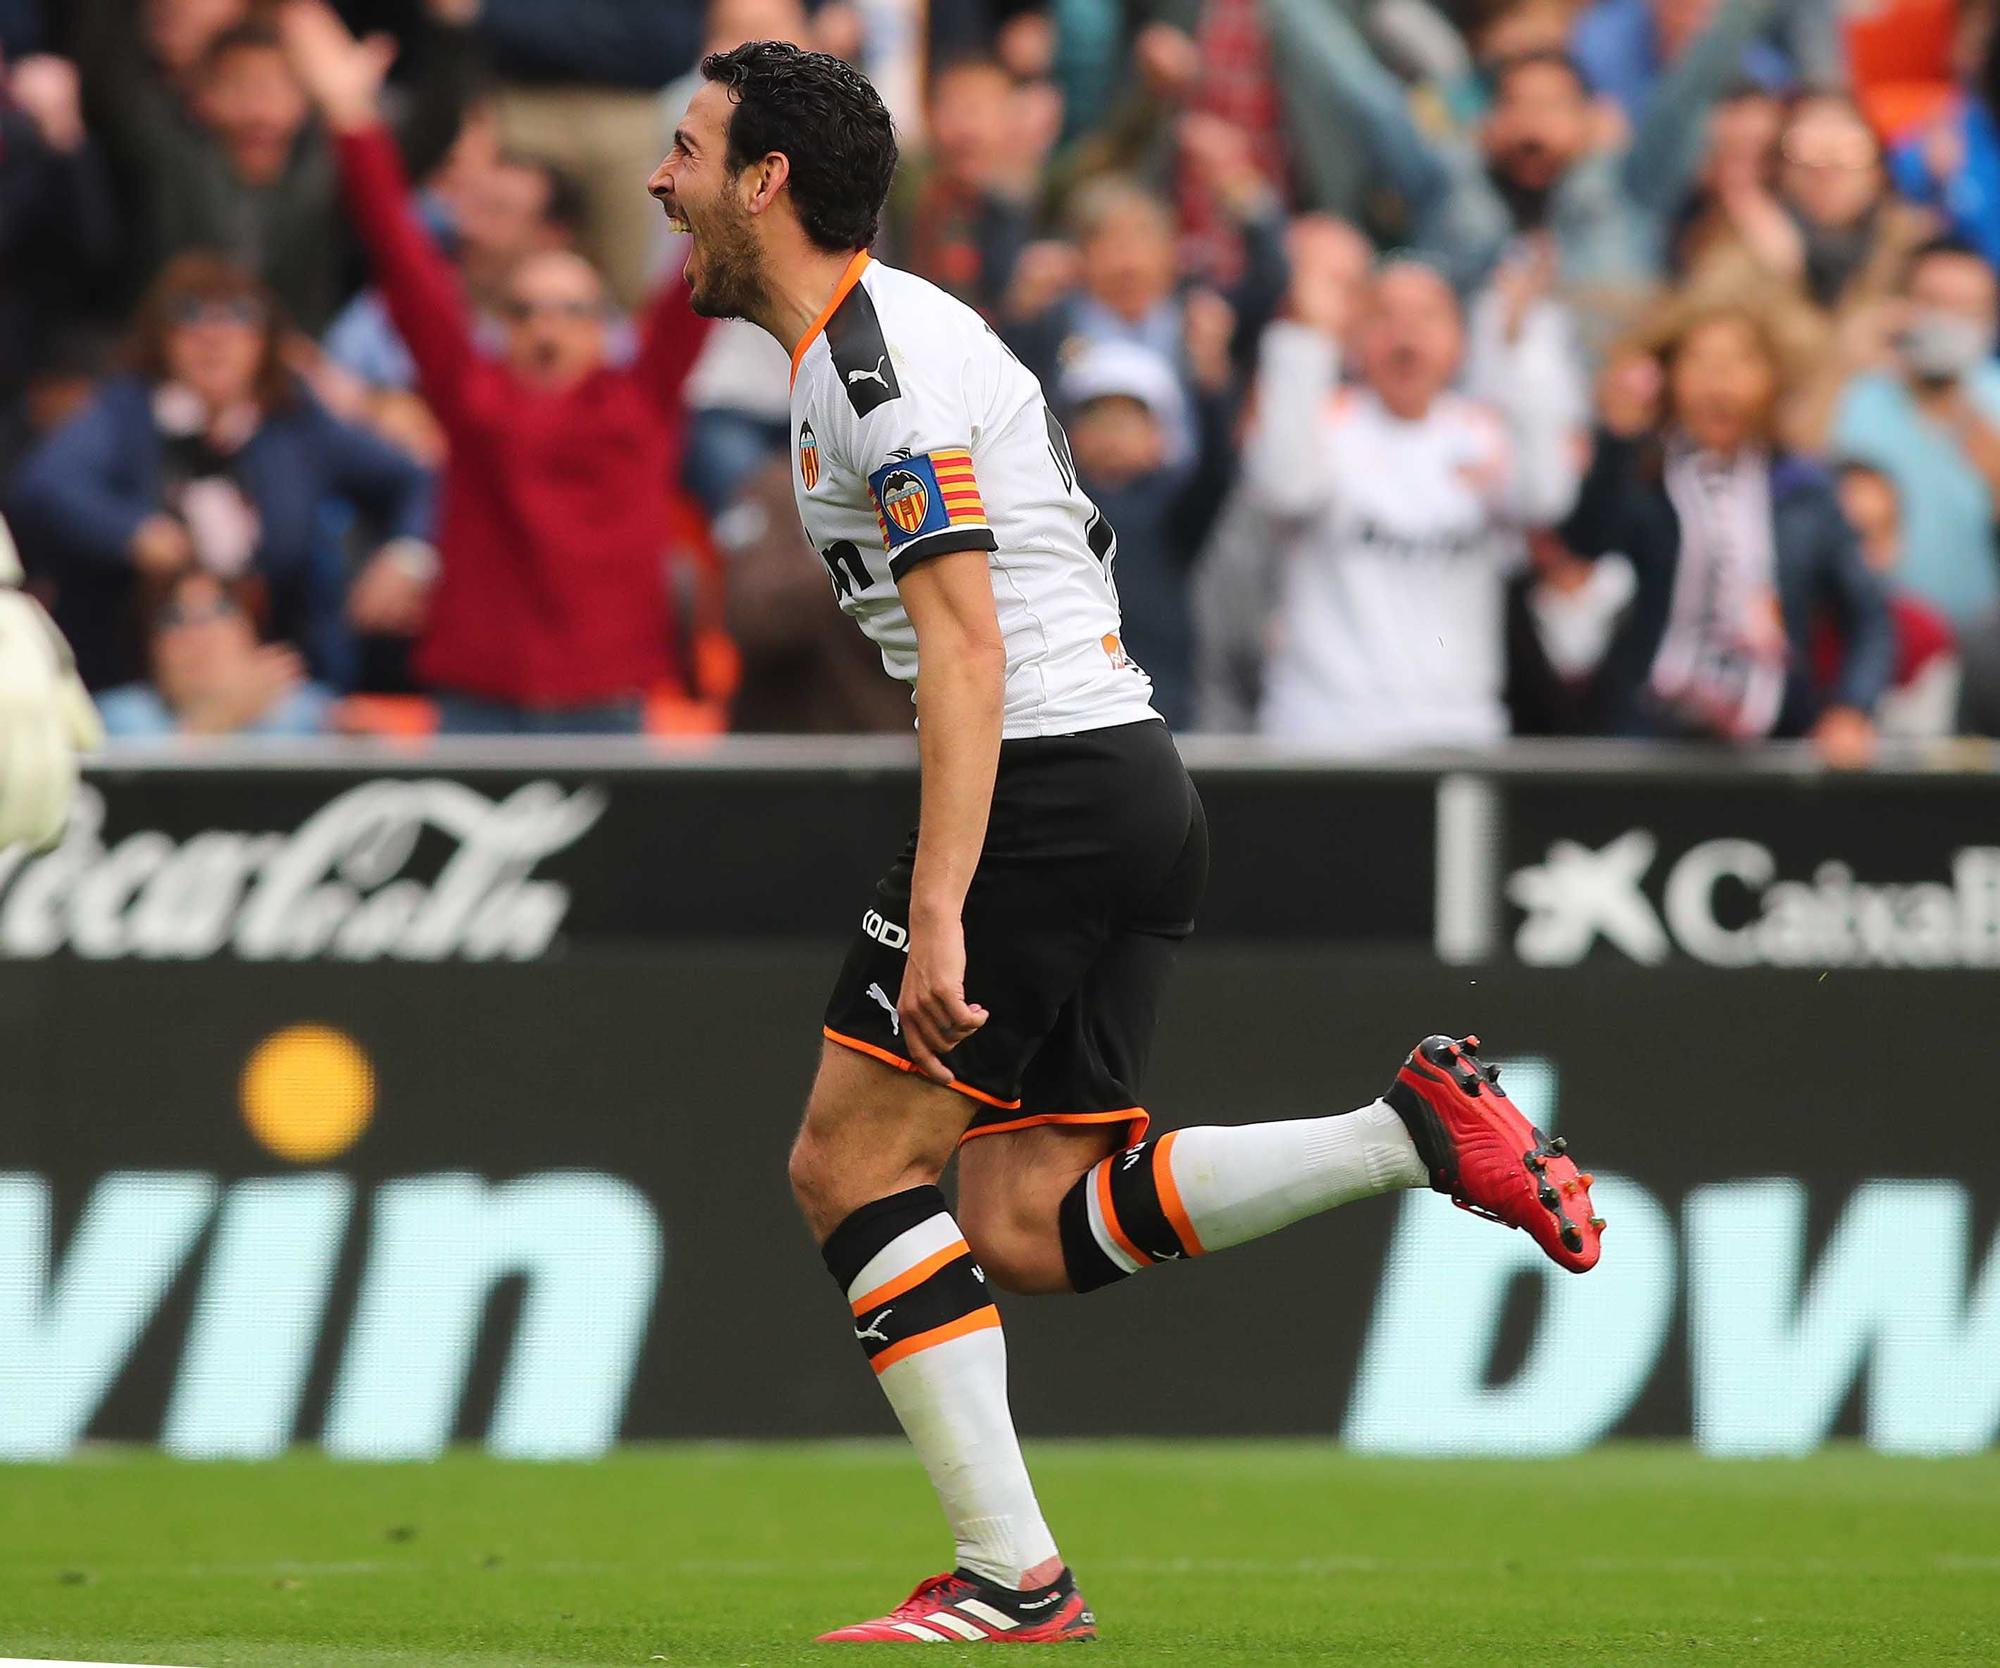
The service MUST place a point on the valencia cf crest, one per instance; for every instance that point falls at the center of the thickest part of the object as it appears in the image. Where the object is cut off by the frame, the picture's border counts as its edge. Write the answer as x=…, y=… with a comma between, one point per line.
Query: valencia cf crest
x=808, y=456
x=905, y=500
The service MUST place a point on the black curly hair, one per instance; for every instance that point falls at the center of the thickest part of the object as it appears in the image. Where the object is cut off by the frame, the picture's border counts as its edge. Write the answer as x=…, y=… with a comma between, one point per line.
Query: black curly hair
x=829, y=123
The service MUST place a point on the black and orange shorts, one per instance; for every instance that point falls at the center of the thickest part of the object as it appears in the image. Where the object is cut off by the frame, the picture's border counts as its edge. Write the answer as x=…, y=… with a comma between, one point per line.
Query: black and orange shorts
x=1095, y=859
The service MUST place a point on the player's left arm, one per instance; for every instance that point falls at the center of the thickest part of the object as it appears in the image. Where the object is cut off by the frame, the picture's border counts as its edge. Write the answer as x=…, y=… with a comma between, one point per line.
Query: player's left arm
x=961, y=694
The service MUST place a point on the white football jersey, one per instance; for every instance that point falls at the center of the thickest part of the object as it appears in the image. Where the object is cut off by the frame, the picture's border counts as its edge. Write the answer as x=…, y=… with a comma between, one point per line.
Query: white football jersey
x=916, y=432
x=1389, y=624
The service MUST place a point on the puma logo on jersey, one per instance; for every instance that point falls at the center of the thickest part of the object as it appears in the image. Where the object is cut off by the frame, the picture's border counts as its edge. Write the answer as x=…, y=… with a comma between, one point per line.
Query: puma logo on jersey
x=874, y=1328
x=870, y=376
x=877, y=994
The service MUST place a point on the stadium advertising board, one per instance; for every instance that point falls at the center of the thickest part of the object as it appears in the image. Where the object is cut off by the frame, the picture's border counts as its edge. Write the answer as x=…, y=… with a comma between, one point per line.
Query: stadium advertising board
x=506, y=1165
x=1745, y=874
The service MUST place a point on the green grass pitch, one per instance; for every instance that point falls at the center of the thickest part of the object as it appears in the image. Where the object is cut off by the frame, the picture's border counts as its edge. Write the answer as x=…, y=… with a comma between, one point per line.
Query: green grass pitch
x=1192, y=1553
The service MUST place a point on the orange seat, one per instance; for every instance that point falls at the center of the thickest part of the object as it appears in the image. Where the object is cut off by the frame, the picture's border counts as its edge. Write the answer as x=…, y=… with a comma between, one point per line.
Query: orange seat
x=406, y=717
x=1899, y=57
x=670, y=712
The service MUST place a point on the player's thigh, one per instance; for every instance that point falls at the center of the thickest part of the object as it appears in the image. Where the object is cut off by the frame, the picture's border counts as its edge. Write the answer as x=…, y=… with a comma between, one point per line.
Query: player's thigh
x=869, y=1131
x=1010, y=1186
x=1082, y=1098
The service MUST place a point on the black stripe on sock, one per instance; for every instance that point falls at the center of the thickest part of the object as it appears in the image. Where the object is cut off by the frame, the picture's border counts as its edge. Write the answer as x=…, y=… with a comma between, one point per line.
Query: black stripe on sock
x=956, y=1290
x=1084, y=1260
x=850, y=1247
x=1135, y=1195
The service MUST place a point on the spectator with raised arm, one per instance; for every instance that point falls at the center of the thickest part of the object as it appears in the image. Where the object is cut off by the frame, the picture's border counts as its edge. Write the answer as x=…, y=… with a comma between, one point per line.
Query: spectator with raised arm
x=59, y=231
x=1396, y=500
x=1119, y=283
x=1829, y=229
x=1234, y=584
x=1539, y=162
x=551, y=609
x=231, y=161
x=1738, y=549
x=962, y=216
x=1952, y=162
x=509, y=208
x=1627, y=47
x=208, y=455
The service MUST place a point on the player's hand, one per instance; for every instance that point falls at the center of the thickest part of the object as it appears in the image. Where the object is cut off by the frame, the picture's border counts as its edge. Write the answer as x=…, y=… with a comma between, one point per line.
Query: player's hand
x=46, y=719
x=936, y=1016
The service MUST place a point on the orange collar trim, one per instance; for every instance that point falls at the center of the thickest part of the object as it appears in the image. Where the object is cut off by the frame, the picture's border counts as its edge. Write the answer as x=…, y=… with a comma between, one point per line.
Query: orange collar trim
x=848, y=280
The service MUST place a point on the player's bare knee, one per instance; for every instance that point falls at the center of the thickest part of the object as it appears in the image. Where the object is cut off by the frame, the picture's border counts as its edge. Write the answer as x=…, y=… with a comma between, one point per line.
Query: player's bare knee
x=1018, y=1253
x=806, y=1171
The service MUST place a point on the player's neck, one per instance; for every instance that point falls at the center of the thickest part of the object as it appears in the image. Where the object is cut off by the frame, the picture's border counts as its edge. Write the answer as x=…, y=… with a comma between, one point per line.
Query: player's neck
x=798, y=291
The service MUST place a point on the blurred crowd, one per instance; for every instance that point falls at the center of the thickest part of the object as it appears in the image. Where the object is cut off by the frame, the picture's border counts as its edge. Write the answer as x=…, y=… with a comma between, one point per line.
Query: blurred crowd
x=1449, y=369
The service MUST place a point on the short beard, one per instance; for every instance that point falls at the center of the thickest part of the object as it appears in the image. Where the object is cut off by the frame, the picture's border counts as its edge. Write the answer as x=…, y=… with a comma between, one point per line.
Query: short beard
x=732, y=275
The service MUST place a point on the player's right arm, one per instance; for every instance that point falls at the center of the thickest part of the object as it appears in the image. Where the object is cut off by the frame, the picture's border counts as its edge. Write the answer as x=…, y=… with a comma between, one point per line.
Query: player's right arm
x=961, y=695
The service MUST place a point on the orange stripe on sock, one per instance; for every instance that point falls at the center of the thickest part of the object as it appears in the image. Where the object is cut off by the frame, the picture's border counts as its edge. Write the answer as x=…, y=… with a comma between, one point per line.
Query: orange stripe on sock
x=898, y=1284
x=1170, y=1195
x=978, y=1321
x=1111, y=1224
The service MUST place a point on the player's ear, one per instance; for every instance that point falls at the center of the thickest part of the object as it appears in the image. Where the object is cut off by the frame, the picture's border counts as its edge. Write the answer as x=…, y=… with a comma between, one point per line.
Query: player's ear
x=767, y=178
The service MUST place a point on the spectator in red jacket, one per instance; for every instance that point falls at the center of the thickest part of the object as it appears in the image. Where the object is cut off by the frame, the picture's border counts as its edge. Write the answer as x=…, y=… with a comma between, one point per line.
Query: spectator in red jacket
x=550, y=611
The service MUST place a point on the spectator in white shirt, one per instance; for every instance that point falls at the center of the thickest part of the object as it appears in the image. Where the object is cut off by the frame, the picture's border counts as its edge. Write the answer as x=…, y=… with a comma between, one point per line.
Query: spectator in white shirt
x=1400, y=505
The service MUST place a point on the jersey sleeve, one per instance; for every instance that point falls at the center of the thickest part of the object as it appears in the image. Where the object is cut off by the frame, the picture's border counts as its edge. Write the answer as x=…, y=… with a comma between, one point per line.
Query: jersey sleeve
x=910, y=431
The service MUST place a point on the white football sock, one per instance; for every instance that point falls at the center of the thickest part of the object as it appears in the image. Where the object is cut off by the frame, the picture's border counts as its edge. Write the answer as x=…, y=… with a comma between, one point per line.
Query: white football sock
x=922, y=1310
x=1238, y=1184
x=1204, y=1189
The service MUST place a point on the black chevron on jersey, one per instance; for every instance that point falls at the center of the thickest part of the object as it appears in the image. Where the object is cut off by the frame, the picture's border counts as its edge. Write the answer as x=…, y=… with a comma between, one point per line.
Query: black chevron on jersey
x=860, y=355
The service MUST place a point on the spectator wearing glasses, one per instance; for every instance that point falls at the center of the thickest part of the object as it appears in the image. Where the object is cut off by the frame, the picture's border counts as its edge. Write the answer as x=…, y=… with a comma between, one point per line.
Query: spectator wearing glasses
x=550, y=612
x=211, y=675
x=1825, y=226
x=208, y=456
x=506, y=209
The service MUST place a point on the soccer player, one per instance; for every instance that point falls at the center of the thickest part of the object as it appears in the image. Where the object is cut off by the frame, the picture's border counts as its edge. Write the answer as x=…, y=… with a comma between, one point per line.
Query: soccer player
x=999, y=997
